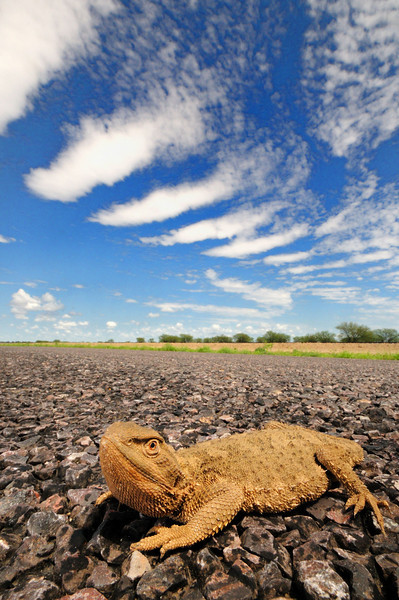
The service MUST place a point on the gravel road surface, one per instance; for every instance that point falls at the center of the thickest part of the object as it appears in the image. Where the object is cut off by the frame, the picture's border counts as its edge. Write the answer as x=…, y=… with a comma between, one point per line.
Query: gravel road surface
x=57, y=402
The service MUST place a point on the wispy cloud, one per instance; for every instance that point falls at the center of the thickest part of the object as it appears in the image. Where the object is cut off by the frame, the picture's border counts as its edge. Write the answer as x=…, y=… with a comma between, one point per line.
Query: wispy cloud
x=355, y=259
x=166, y=203
x=351, y=64
x=364, y=222
x=105, y=150
x=210, y=309
x=22, y=303
x=243, y=221
x=39, y=39
x=254, y=292
x=6, y=240
x=242, y=247
x=281, y=259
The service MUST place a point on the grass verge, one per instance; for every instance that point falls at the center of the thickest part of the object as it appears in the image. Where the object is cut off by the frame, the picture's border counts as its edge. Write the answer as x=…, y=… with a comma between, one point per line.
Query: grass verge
x=265, y=349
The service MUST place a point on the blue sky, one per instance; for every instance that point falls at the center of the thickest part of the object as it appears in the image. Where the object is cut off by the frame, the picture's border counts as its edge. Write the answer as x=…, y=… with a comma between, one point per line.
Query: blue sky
x=203, y=167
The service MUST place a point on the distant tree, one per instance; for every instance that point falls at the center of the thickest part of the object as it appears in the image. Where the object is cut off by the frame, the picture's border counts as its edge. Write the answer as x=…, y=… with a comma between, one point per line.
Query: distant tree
x=198, y=340
x=242, y=338
x=320, y=336
x=185, y=337
x=169, y=339
x=222, y=339
x=352, y=332
x=274, y=337
x=140, y=340
x=386, y=336
x=110, y=341
x=151, y=340
x=56, y=341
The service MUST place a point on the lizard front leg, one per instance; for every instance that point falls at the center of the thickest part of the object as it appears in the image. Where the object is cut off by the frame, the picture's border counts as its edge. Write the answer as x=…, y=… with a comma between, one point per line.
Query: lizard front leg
x=359, y=495
x=212, y=516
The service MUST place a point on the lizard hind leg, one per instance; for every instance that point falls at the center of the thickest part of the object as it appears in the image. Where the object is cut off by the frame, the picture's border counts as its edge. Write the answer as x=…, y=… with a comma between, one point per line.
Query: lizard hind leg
x=337, y=463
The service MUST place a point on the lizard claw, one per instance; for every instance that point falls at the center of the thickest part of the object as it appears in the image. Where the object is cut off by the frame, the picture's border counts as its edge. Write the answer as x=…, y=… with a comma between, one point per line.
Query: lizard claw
x=358, y=501
x=103, y=498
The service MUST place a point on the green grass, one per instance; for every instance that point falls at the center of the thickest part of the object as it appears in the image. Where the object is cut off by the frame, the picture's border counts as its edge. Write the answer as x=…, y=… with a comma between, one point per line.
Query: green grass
x=265, y=349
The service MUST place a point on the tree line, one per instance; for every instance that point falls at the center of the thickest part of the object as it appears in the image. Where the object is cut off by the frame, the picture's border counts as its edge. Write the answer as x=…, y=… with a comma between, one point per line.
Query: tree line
x=348, y=332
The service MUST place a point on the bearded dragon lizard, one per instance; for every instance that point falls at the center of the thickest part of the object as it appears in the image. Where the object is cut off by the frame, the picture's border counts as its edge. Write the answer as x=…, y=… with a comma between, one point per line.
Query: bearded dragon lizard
x=203, y=487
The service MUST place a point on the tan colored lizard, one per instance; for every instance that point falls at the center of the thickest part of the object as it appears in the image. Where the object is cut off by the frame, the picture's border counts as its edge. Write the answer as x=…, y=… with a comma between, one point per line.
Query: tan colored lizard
x=205, y=486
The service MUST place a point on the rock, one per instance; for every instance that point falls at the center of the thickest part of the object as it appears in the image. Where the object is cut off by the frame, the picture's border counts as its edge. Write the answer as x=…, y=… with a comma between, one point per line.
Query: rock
x=271, y=582
x=35, y=589
x=167, y=576
x=308, y=551
x=387, y=564
x=220, y=586
x=103, y=578
x=361, y=583
x=305, y=525
x=54, y=503
x=193, y=594
x=319, y=581
x=318, y=510
x=258, y=540
x=33, y=551
x=69, y=561
x=85, y=594
x=206, y=563
x=85, y=517
x=9, y=542
x=45, y=524
x=84, y=496
x=241, y=571
x=232, y=554
x=17, y=505
x=351, y=539
x=137, y=566
x=78, y=476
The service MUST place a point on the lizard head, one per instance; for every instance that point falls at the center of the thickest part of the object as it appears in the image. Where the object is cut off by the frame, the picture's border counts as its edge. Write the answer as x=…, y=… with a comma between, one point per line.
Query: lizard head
x=140, y=469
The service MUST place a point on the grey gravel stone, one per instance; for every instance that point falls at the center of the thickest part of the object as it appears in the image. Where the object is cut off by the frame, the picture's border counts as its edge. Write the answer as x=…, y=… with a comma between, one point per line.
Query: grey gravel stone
x=320, y=582
x=56, y=403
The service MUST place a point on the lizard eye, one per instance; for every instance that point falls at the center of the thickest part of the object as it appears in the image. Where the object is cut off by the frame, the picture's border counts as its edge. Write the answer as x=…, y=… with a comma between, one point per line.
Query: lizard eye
x=152, y=448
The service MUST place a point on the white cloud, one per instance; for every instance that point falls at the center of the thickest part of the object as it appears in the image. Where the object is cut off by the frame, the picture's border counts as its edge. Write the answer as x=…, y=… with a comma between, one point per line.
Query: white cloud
x=167, y=202
x=131, y=301
x=244, y=220
x=38, y=40
x=254, y=292
x=211, y=309
x=21, y=303
x=153, y=315
x=242, y=247
x=356, y=259
x=105, y=150
x=111, y=324
x=351, y=71
x=6, y=240
x=78, y=286
x=281, y=259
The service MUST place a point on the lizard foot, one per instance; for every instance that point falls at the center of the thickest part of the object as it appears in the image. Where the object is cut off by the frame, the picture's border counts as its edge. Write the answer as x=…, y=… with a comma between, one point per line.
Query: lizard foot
x=359, y=501
x=166, y=538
